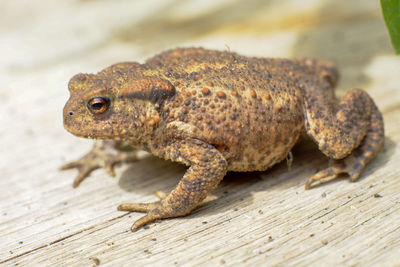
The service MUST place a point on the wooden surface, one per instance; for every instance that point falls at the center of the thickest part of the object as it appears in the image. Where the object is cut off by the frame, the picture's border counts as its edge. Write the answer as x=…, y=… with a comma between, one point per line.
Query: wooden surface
x=264, y=218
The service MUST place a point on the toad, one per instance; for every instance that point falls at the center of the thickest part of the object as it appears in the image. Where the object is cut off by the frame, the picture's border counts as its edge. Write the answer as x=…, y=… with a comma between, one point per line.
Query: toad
x=217, y=112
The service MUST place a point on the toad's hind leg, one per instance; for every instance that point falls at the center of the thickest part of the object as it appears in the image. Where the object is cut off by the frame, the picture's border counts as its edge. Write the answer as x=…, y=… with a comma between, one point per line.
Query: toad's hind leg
x=351, y=138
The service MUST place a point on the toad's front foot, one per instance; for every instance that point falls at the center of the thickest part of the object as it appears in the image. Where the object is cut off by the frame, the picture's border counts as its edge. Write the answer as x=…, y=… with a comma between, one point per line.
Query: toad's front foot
x=155, y=211
x=104, y=154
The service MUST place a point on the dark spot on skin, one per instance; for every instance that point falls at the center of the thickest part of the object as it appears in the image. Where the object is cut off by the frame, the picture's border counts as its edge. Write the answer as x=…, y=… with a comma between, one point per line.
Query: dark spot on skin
x=347, y=124
x=181, y=116
x=334, y=140
x=80, y=77
x=195, y=76
x=331, y=152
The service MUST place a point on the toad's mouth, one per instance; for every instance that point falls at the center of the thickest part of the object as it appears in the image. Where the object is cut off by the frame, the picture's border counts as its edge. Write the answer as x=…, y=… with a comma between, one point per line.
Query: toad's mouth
x=88, y=129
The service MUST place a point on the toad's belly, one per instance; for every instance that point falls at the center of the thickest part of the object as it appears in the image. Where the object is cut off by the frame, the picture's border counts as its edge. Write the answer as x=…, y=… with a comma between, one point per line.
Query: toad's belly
x=265, y=151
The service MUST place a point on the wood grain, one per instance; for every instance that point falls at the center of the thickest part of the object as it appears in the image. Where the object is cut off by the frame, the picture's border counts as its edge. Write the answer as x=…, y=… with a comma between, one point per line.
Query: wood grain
x=262, y=218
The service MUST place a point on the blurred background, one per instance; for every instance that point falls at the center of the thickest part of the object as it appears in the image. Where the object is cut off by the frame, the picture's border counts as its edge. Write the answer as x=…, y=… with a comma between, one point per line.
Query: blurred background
x=95, y=33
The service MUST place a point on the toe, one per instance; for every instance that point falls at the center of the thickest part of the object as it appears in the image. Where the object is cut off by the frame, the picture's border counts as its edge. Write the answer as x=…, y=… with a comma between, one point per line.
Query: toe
x=70, y=165
x=110, y=169
x=148, y=218
x=137, y=207
x=321, y=177
x=82, y=175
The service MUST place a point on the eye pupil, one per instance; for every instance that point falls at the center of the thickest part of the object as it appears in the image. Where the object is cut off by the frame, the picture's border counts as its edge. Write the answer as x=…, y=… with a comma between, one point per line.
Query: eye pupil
x=98, y=105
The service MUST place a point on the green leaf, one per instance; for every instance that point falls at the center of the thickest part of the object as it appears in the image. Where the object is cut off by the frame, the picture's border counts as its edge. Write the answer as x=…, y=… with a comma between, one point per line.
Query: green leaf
x=391, y=13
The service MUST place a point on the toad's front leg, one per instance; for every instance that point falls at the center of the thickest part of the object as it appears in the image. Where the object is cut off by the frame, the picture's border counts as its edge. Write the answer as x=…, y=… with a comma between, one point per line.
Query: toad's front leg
x=207, y=168
x=104, y=154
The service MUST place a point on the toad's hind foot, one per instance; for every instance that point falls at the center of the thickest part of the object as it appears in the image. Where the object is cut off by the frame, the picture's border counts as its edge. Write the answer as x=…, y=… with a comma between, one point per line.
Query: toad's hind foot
x=154, y=211
x=351, y=138
x=338, y=168
x=356, y=161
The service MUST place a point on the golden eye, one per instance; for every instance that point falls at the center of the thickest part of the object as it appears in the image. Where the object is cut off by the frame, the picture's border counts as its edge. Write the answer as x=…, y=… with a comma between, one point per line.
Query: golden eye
x=98, y=105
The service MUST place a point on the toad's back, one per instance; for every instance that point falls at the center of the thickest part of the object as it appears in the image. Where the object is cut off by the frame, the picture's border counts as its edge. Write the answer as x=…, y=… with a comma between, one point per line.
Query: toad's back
x=251, y=109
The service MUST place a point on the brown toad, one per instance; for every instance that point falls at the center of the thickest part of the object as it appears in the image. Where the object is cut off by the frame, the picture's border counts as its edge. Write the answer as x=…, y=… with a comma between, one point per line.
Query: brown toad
x=217, y=112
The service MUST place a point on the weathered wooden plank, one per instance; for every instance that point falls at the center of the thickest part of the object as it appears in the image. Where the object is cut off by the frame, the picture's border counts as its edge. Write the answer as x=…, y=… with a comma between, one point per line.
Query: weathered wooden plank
x=252, y=218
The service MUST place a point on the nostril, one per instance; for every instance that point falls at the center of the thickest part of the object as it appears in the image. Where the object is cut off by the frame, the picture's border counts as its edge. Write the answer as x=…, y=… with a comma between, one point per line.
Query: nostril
x=71, y=113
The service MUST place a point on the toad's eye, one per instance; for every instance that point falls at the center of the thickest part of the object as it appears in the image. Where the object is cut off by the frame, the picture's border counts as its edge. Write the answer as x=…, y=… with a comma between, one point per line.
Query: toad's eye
x=98, y=105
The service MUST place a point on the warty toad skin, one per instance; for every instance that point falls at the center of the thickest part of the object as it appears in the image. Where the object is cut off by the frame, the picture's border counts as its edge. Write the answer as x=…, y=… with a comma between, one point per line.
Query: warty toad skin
x=216, y=112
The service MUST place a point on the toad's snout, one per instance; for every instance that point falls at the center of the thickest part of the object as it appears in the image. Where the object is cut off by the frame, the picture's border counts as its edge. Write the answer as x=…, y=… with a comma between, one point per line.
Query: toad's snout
x=69, y=114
